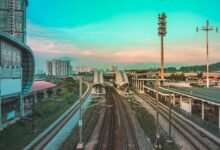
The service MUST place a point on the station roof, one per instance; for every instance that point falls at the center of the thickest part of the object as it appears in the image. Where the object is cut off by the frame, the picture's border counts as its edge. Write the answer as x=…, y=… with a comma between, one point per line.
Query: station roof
x=41, y=85
x=207, y=94
x=98, y=78
x=210, y=95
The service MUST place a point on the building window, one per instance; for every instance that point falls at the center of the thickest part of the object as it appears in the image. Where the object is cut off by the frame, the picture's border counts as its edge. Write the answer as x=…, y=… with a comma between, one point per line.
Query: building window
x=4, y=4
x=18, y=4
x=18, y=22
x=4, y=20
x=10, y=61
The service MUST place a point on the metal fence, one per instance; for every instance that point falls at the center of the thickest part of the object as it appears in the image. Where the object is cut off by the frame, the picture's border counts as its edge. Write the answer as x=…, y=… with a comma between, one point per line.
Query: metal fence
x=212, y=128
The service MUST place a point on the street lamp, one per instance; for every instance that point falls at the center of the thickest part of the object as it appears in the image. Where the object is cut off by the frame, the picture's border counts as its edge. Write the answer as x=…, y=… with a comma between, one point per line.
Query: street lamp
x=207, y=28
x=80, y=144
x=162, y=32
x=157, y=145
x=170, y=101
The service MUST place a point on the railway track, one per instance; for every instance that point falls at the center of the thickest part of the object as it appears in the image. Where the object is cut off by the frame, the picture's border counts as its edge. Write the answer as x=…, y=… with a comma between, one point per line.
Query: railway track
x=45, y=139
x=117, y=130
x=191, y=134
x=129, y=138
x=107, y=131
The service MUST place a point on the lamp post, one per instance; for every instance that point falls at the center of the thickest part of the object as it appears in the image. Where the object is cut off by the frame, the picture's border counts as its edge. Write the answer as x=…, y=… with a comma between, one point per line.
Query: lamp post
x=207, y=28
x=157, y=145
x=162, y=32
x=170, y=101
x=33, y=112
x=80, y=144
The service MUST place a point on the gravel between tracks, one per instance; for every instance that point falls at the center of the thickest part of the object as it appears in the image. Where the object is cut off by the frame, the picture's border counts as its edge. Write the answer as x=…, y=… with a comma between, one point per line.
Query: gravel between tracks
x=179, y=139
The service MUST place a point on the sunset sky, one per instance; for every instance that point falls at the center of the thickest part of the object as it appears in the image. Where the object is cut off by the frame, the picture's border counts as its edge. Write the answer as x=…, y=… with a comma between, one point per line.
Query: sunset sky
x=103, y=32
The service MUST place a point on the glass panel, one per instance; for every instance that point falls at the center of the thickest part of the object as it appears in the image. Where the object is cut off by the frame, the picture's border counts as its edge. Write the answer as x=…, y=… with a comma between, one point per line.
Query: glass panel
x=4, y=4
x=10, y=61
x=18, y=4
x=18, y=22
x=5, y=20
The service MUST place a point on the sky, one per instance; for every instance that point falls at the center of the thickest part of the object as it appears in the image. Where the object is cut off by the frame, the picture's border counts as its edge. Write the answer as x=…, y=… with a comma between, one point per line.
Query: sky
x=99, y=33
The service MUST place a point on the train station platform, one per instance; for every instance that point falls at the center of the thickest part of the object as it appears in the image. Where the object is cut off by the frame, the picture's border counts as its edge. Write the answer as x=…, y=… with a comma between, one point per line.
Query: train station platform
x=210, y=95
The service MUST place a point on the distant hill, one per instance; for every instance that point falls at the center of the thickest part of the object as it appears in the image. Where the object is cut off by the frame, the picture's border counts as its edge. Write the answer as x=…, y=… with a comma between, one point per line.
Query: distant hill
x=199, y=68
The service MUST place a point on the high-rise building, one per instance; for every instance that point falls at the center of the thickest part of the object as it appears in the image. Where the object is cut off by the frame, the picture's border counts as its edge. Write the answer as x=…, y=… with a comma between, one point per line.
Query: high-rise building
x=13, y=18
x=49, y=68
x=16, y=61
x=58, y=68
x=79, y=69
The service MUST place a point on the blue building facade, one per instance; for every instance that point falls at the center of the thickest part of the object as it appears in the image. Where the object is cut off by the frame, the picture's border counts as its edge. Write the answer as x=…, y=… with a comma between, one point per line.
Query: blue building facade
x=16, y=61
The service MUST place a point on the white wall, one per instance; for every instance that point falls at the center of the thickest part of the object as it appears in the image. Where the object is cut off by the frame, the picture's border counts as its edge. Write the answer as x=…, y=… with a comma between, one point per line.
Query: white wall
x=10, y=86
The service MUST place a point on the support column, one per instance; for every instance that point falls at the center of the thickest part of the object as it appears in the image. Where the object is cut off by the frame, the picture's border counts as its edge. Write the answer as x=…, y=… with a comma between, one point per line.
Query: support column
x=136, y=84
x=45, y=94
x=174, y=99
x=54, y=91
x=21, y=105
x=219, y=117
x=181, y=99
x=139, y=85
x=35, y=97
x=190, y=105
x=132, y=82
x=203, y=110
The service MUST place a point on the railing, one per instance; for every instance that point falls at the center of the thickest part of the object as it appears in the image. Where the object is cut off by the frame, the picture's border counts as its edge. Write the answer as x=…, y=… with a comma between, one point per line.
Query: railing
x=212, y=128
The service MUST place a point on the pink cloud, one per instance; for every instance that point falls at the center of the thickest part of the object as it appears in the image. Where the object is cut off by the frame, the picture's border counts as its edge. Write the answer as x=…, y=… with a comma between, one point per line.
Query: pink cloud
x=132, y=54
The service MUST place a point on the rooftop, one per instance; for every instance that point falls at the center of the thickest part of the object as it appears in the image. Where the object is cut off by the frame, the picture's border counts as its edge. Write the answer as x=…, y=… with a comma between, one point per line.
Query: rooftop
x=208, y=94
x=41, y=85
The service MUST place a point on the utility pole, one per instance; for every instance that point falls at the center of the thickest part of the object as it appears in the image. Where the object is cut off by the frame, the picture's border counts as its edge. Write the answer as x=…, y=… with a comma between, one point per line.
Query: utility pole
x=80, y=144
x=170, y=138
x=207, y=28
x=162, y=32
x=33, y=112
x=157, y=145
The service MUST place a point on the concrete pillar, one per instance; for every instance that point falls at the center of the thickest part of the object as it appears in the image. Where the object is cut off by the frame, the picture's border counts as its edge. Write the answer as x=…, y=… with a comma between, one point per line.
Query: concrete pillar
x=21, y=105
x=34, y=98
x=219, y=117
x=45, y=94
x=181, y=99
x=190, y=105
x=203, y=110
x=139, y=85
x=54, y=91
x=174, y=99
